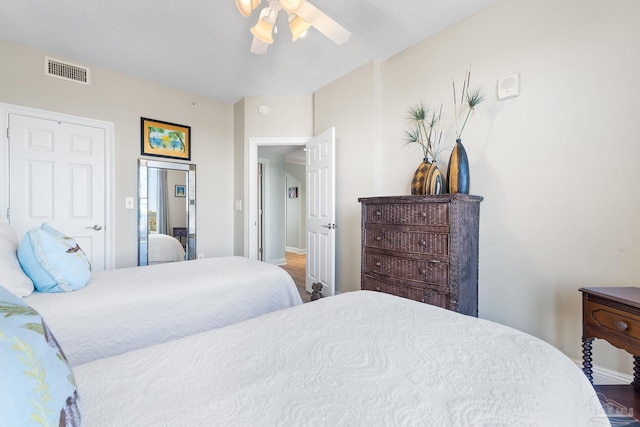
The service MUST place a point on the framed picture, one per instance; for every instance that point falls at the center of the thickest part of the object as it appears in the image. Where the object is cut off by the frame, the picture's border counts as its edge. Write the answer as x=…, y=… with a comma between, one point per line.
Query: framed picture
x=164, y=139
x=293, y=192
x=180, y=191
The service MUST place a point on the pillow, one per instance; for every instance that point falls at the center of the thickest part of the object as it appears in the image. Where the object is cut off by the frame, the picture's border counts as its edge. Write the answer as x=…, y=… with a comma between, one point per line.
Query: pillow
x=13, y=278
x=38, y=386
x=53, y=261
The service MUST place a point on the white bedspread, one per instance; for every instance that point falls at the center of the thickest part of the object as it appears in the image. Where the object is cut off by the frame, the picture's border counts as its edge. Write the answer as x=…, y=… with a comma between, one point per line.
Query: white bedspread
x=356, y=359
x=131, y=308
x=164, y=248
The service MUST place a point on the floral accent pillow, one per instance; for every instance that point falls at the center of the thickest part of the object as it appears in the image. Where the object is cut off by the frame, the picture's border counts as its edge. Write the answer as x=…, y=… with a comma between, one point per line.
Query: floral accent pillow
x=53, y=261
x=38, y=387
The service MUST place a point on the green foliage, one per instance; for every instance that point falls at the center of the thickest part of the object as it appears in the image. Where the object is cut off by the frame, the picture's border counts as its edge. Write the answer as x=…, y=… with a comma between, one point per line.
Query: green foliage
x=469, y=100
x=424, y=130
x=10, y=309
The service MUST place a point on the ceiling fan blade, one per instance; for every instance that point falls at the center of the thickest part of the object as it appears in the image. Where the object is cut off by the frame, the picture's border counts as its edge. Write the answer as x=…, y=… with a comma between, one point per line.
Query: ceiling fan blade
x=258, y=46
x=323, y=23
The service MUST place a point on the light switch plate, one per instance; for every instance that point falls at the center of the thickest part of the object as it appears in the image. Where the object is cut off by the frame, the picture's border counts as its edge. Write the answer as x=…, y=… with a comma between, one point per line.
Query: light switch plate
x=238, y=205
x=128, y=202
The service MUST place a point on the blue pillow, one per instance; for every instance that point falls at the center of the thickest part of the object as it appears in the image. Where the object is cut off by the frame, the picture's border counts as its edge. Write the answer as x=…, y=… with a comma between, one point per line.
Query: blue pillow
x=53, y=261
x=38, y=386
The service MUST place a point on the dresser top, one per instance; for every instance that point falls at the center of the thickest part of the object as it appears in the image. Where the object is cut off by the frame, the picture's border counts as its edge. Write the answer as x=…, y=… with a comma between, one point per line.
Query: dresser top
x=625, y=295
x=439, y=198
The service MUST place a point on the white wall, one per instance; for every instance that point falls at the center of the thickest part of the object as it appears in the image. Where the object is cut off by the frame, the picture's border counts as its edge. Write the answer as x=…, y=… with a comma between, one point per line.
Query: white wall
x=296, y=208
x=289, y=116
x=122, y=100
x=350, y=104
x=556, y=165
x=274, y=206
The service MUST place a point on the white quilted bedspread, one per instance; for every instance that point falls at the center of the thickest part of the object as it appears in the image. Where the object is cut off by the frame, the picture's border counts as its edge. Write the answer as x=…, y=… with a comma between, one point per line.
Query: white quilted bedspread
x=356, y=359
x=130, y=308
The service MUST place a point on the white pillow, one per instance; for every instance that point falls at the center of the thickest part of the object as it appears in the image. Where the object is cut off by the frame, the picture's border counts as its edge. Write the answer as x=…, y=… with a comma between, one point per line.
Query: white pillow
x=13, y=278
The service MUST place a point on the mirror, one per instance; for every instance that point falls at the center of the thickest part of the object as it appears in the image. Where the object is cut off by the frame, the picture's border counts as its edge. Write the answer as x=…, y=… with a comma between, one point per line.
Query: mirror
x=166, y=212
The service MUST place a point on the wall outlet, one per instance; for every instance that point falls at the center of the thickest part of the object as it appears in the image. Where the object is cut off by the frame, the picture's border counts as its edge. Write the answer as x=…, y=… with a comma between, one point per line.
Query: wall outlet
x=201, y=256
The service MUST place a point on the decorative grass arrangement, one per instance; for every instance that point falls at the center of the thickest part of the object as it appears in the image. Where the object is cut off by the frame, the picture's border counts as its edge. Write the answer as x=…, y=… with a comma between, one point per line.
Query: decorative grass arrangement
x=425, y=130
x=469, y=100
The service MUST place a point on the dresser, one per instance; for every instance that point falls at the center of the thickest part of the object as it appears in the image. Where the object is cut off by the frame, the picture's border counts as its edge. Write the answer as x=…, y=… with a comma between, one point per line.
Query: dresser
x=424, y=248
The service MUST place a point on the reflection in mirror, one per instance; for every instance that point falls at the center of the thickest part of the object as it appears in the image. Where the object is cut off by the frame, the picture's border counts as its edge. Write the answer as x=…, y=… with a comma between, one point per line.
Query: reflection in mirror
x=166, y=212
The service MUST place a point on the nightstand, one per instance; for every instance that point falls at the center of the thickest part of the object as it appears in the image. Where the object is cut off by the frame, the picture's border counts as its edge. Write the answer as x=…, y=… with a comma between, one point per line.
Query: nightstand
x=179, y=233
x=613, y=314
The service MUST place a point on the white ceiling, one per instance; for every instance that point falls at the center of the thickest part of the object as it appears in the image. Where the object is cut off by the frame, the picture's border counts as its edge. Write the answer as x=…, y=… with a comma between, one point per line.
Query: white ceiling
x=203, y=46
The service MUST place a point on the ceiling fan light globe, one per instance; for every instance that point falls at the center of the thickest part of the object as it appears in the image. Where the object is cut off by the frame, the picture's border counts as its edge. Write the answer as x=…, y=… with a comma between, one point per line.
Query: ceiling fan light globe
x=245, y=7
x=298, y=27
x=263, y=31
x=291, y=5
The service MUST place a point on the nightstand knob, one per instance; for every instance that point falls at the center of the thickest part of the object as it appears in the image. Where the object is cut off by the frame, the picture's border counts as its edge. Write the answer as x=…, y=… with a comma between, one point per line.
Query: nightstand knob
x=423, y=243
x=378, y=238
x=378, y=213
x=424, y=215
x=621, y=326
x=378, y=263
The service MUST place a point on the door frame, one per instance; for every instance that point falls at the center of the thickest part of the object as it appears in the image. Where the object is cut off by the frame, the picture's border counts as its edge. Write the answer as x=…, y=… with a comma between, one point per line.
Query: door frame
x=251, y=215
x=107, y=127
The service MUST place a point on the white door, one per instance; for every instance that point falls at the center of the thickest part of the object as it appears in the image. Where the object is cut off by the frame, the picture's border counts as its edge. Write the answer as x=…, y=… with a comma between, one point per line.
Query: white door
x=321, y=212
x=57, y=175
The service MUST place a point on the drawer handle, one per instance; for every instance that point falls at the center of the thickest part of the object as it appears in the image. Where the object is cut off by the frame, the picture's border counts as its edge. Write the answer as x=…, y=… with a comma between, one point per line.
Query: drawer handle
x=424, y=271
x=378, y=263
x=621, y=326
x=423, y=243
x=424, y=215
x=433, y=261
x=378, y=213
x=378, y=238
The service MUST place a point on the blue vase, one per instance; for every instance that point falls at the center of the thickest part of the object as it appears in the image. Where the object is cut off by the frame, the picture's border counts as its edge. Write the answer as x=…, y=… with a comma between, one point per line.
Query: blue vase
x=458, y=171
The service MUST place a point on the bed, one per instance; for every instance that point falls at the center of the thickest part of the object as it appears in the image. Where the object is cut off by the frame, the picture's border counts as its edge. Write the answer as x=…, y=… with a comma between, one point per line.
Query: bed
x=359, y=358
x=164, y=248
x=131, y=308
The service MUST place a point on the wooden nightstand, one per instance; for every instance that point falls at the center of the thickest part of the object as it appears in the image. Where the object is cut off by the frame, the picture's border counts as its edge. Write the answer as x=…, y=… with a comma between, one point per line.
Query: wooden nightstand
x=613, y=314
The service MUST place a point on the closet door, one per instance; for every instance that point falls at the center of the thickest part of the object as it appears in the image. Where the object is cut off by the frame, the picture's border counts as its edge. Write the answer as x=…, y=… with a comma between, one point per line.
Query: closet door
x=57, y=175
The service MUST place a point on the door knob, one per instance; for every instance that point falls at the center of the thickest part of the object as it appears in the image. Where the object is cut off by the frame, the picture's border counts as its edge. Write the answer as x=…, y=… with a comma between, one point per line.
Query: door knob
x=329, y=226
x=95, y=227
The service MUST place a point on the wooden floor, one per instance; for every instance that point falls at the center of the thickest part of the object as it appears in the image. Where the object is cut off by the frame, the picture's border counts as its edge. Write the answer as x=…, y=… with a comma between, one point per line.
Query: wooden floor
x=296, y=267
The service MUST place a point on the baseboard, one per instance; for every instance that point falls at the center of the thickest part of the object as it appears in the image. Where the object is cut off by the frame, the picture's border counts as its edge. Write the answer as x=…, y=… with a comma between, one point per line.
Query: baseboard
x=295, y=250
x=606, y=376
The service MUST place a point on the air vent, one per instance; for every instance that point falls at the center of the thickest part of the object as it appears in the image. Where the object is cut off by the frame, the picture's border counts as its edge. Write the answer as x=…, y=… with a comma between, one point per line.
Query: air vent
x=67, y=71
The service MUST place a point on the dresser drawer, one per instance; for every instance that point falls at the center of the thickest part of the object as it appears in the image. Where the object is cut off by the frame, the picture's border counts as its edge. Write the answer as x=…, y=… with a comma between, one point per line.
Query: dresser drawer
x=418, y=242
x=409, y=214
x=420, y=294
x=612, y=321
x=419, y=270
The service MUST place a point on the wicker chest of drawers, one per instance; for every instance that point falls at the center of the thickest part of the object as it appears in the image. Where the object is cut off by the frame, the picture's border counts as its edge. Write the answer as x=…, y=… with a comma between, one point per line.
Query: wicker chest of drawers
x=423, y=247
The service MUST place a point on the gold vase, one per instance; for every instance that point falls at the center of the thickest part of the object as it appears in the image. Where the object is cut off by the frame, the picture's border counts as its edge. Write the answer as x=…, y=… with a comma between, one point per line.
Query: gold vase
x=427, y=179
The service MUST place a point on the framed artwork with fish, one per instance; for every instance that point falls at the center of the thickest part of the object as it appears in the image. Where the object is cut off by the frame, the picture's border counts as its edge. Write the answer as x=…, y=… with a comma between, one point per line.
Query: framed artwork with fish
x=164, y=139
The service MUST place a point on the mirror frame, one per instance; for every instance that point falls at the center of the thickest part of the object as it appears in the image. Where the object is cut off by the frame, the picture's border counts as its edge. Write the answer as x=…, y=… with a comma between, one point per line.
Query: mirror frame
x=143, y=214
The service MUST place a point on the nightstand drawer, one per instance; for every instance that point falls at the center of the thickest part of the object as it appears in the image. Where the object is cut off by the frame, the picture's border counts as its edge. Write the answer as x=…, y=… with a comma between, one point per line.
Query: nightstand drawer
x=612, y=321
x=408, y=214
x=418, y=242
x=419, y=270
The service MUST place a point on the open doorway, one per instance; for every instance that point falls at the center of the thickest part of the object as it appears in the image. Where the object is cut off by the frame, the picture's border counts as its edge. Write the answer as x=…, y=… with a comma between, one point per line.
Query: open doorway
x=320, y=206
x=281, y=209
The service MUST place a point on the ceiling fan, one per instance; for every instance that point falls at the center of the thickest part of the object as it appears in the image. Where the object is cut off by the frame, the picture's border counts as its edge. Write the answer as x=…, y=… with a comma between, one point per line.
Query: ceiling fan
x=302, y=15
